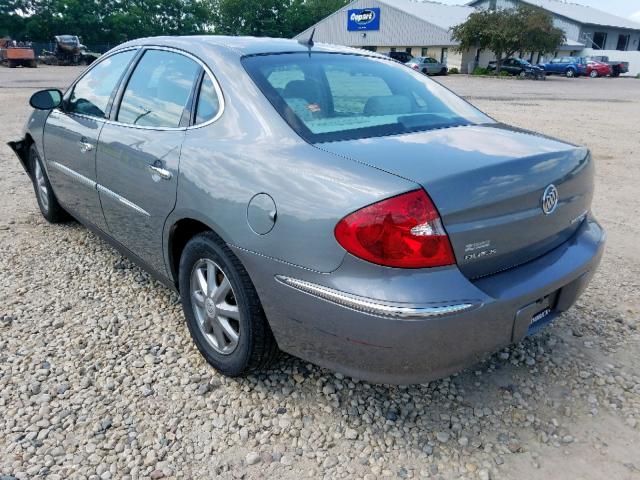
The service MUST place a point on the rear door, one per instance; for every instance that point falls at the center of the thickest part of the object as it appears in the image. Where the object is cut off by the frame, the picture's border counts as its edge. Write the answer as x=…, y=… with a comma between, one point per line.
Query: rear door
x=555, y=66
x=71, y=136
x=139, y=150
x=432, y=65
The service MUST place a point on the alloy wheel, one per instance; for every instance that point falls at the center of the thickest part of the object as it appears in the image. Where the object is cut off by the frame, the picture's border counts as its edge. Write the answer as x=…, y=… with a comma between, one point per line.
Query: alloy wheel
x=593, y=74
x=41, y=187
x=215, y=307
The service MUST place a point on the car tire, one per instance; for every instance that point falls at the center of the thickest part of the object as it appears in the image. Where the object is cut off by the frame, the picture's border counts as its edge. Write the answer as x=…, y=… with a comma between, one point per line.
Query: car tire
x=594, y=74
x=226, y=322
x=570, y=73
x=443, y=71
x=47, y=201
x=522, y=74
x=425, y=71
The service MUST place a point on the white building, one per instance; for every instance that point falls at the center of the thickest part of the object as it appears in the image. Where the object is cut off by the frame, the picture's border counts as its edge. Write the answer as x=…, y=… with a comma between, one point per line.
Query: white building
x=422, y=28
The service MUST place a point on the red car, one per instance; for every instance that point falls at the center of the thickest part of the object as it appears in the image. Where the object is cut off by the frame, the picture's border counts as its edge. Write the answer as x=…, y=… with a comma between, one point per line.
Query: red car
x=598, y=69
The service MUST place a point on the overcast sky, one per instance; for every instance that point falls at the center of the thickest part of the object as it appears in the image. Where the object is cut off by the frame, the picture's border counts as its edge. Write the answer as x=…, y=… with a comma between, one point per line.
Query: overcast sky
x=624, y=8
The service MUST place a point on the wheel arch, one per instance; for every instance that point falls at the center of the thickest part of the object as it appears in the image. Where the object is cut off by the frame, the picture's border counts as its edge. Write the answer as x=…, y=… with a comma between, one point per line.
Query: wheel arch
x=180, y=232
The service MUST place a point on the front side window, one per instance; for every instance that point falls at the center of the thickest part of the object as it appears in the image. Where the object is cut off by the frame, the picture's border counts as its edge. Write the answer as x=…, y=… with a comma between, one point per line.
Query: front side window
x=90, y=96
x=158, y=90
x=340, y=97
x=208, y=101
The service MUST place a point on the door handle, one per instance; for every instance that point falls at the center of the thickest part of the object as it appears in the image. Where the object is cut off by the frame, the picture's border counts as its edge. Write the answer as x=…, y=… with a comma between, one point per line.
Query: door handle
x=161, y=172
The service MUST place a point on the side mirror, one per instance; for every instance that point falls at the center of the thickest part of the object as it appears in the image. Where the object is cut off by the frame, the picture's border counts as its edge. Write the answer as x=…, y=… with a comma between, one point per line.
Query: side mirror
x=46, y=99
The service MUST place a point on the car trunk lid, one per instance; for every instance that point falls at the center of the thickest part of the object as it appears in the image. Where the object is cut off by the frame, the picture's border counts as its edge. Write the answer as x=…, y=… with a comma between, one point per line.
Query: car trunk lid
x=487, y=182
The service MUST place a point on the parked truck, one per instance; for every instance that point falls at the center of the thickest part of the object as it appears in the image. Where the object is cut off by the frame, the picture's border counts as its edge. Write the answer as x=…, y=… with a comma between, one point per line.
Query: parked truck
x=14, y=54
x=617, y=67
x=68, y=50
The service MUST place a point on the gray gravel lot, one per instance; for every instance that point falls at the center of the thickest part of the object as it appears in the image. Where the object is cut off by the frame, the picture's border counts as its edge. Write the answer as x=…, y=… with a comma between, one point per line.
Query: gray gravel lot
x=99, y=379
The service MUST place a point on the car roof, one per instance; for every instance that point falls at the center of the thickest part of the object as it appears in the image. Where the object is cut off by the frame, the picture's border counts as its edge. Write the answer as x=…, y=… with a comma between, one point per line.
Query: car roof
x=242, y=46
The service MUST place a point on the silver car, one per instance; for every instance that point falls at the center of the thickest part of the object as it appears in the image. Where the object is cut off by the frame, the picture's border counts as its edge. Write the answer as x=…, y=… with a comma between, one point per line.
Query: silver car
x=319, y=200
x=427, y=65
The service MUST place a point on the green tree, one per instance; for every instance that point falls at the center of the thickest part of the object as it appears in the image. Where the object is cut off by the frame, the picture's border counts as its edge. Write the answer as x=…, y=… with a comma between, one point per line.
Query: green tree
x=539, y=33
x=507, y=31
x=11, y=18
x=272, y=18
x=115, y=21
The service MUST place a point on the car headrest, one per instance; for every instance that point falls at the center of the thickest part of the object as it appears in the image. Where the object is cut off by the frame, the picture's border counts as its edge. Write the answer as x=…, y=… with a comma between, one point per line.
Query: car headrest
x=388, y=105
x=302, y=89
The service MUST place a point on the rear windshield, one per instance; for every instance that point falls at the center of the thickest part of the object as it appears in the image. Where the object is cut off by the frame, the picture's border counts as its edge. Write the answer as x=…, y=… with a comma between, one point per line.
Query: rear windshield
x=328, y=97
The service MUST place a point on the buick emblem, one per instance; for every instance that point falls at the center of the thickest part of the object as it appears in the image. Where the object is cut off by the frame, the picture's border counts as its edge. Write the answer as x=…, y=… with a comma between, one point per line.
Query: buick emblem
x=549, y=199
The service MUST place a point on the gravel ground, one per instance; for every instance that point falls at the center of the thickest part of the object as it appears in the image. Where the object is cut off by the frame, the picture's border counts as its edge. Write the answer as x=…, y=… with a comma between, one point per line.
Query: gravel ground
x=99, y=379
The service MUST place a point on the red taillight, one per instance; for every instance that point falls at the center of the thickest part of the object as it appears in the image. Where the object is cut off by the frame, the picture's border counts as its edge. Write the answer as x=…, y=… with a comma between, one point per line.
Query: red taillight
x=403, y=231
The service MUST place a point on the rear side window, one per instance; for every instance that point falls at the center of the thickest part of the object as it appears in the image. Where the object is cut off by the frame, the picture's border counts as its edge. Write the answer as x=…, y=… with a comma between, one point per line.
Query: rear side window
x=158, y=90
x=90, y=96
x=329, y=97
x=208, y=101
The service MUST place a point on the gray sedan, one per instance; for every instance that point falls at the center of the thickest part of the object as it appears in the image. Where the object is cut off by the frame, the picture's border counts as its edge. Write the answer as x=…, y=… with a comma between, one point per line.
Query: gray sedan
x=427, y=65
x=319, y=200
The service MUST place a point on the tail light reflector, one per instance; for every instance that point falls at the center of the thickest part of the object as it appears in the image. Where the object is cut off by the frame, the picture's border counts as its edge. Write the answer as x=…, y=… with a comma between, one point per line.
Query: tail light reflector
x=404, y=231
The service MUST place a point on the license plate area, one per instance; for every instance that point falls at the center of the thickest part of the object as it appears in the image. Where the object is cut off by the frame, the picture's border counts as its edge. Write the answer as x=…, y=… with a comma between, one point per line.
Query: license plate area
x=534, y=316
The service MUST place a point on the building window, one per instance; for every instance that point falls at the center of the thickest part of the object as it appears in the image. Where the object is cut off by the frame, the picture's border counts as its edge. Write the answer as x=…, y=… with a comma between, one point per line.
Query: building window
x=623, y=42
x=493, y=4
x=599, y=40
x=408, y=50
x=392, y=49
x=425, y=51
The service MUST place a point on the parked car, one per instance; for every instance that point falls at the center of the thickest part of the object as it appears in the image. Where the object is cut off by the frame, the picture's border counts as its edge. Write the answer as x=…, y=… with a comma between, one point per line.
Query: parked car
x=617, y=67
x=329, y=203
x=517, y=66
x=427, y=65
x=567, y=66
x=402, y=57
x=598, y=69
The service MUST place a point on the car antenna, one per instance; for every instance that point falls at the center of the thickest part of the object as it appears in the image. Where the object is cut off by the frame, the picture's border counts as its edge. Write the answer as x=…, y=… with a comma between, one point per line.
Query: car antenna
x=309, y=42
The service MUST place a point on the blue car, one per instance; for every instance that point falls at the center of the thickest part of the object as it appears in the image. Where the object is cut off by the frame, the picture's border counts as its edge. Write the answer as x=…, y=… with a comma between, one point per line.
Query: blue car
x=568, y=66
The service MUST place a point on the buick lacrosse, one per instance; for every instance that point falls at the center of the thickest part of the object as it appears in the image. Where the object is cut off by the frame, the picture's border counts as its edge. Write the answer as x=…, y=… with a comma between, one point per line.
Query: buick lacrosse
x=320, y=200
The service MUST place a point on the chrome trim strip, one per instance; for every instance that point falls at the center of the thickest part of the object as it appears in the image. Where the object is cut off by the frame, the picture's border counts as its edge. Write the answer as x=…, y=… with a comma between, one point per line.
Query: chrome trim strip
x=73, y=174
x=370, y=306
x=123, y=200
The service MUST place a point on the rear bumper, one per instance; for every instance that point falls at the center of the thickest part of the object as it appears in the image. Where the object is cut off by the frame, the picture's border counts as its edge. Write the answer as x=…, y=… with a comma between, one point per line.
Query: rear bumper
x=389, y=348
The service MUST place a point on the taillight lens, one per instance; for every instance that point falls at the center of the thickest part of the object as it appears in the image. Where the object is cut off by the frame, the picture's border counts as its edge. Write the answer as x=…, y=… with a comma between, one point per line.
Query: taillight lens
x=403, y=231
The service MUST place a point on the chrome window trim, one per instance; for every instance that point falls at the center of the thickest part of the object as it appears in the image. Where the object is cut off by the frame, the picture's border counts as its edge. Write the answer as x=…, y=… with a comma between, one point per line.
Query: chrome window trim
x=121, y=199
x=85, y=72
x=207, y=70
x=373, y=307
x=73, y=174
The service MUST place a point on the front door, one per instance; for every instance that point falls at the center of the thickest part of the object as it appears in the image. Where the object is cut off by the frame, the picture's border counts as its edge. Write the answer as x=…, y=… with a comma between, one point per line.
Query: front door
x=71, y=136
x=139, y=153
